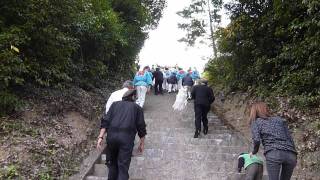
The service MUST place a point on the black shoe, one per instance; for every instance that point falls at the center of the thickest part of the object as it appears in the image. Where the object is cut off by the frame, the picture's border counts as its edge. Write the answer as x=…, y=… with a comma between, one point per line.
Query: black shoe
x=196, y=134
x=205, y=130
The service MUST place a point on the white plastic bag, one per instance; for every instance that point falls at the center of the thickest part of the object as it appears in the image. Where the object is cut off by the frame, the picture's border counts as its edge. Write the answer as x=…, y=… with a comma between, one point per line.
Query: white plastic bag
x=181, y=100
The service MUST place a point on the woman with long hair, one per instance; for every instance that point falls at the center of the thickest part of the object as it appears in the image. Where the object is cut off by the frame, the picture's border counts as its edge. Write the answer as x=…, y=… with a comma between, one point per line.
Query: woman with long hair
x=273, y=133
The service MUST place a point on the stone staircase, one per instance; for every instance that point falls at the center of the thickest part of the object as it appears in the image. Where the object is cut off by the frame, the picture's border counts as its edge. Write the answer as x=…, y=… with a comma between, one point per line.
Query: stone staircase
x=171, y=152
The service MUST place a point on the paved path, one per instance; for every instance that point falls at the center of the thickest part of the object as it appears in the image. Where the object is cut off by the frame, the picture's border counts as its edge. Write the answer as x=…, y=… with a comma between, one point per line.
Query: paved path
x=171, y=152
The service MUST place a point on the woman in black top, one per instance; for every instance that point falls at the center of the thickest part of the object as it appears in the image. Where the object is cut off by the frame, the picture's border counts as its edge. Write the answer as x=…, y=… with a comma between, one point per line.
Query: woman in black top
x=273, y=133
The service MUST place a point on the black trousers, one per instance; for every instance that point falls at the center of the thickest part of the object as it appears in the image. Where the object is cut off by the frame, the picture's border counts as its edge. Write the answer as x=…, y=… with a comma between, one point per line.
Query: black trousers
x=201, y=112
x=120, y=149
x=158, y=87
x=254, y=172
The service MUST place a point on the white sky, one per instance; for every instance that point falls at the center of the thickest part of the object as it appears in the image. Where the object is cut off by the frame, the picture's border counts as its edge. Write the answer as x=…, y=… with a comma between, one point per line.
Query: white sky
x=163, y=48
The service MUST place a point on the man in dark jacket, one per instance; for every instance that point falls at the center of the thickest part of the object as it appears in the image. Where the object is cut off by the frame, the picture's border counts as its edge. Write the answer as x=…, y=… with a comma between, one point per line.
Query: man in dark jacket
x=172, y=81
x=203, y=98
x=158, y=80
x=187, y=82
x=123, y=120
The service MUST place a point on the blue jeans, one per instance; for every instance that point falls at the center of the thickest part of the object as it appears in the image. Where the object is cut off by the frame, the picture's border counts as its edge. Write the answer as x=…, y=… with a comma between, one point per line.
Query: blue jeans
x=280, y=164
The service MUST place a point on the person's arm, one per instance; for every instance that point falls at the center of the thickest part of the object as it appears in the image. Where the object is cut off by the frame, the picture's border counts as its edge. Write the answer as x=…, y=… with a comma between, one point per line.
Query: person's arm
x=149, y=78
x=256, y=138
x=211, y=96
x=141, y=128
x=105, y=122
x=193, y=93
x=240, y=164
x=153, y=75
x=100, y=138
x=141, y=144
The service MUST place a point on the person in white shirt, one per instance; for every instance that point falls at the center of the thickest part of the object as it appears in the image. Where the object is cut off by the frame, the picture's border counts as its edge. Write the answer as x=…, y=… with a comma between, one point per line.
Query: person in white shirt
x=117, y=95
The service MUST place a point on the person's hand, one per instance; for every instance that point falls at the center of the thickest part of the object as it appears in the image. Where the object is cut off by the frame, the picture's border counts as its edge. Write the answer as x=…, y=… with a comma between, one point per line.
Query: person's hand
x=141, y=147
x=99, y=143
x=250, y=154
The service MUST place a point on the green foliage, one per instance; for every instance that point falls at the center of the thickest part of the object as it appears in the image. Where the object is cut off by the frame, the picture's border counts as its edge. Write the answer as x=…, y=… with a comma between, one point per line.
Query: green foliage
x=9, y=172
x=202, y=18
x=67, y=42
x=271, y=48
x=45, y=176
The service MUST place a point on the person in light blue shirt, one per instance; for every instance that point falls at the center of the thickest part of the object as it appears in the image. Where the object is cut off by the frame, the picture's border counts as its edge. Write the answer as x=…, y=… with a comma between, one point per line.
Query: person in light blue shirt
x=180, y=75
x=142, y=82
x=195, y=74
x=166, y=75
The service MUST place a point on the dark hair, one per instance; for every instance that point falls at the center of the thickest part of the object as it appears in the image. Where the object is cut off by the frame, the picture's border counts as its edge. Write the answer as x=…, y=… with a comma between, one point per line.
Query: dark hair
x=146, y=67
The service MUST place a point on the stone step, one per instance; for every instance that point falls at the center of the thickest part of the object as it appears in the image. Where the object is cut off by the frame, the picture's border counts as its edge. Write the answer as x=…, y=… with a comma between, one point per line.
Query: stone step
x=200, y=148
x=204, y=176
x=100, y=170
x=230, y=159
x=105, y=178
x=216, y=176
x=172, y=133
x=242, y=176
x=156, y=154
x=181, y=130
x=233, y=151
x=188, y=155
x=191, y=125
x=195, y=141
x=141, y=168
x=162, y=164
x=183, y=121
x=168, y=170
x=164, y=135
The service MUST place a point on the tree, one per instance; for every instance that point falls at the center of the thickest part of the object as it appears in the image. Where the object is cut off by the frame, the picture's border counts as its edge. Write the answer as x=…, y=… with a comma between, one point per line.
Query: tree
x=270, y=47
x=66, y=43
x=200, y=14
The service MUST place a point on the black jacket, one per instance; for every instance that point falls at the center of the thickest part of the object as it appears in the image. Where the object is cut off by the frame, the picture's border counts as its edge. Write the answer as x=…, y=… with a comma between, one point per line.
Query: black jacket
x=158, y=75
x=172, y=79
x=202, y=95
x=125, y=117
x=187, y=81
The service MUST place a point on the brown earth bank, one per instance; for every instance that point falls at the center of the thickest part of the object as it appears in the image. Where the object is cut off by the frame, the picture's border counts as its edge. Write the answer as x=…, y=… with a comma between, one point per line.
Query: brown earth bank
x=305, y=127
x=52, y=134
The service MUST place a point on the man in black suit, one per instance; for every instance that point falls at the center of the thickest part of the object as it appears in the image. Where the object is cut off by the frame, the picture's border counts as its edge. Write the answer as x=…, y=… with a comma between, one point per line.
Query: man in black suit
x=158, y=78
x=203, y=98
x=123, y=121
x=187, y=82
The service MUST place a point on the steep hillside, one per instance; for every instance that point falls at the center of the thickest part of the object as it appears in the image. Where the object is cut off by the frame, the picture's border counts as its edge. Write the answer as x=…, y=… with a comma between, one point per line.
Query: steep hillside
x=51, y=135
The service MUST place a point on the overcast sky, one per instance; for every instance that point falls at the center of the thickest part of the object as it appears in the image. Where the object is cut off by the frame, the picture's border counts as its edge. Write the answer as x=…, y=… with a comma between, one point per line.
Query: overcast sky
x=162, y=47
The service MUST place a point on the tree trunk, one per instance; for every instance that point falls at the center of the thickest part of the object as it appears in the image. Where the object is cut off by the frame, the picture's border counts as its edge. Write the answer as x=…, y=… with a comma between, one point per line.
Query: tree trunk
x=214, y=47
